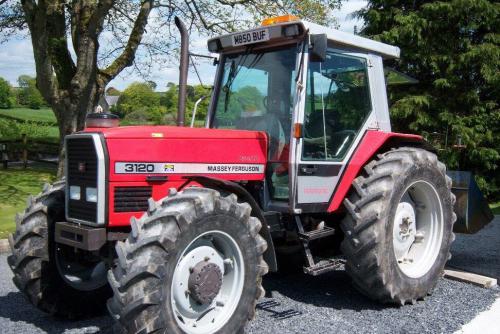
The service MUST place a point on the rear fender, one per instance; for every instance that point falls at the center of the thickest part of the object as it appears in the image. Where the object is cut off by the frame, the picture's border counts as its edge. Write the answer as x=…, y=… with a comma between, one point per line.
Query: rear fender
x=372, y=143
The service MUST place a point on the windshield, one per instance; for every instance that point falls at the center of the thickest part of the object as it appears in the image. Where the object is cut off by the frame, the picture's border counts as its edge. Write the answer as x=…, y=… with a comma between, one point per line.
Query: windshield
x=256, y=93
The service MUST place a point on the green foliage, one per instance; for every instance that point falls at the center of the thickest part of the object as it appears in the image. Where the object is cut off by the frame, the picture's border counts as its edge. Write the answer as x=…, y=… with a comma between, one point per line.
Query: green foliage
x=5, y=94
x=137, y=97
x=28, y=95
x=139, y=104
x=453, y=49
x=12, y=129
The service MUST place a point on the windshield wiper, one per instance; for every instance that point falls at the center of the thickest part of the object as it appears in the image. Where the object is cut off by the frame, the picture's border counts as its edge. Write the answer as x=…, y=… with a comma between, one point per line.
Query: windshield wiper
x=233, y=71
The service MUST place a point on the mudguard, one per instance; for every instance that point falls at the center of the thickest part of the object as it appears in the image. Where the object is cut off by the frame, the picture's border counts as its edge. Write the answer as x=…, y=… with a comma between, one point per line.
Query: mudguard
x=244, y=195
x=373, y=142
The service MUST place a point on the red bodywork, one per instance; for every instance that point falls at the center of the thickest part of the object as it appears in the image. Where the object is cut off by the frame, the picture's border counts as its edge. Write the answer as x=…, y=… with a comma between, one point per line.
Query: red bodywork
x=211, y=146
x=368, y=147
x=177, y=145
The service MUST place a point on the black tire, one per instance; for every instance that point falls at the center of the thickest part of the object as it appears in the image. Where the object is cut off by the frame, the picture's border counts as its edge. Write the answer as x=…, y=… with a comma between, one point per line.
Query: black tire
x=33, y=260
x=368, y=225
x=148, y=258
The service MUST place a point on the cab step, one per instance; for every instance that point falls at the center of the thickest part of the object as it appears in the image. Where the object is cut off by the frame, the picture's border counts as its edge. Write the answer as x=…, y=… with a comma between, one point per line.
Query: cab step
x=324, y=266
x=316, y=234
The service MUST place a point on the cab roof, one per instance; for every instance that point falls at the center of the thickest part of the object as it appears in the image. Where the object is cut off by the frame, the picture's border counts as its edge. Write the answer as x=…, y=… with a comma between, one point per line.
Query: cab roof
x=349, y=40
x=387, y=51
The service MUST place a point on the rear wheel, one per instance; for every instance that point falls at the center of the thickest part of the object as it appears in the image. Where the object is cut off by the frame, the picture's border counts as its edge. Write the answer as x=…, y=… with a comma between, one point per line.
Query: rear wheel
x=192, y=264
x=398, y=229
x=48, y=283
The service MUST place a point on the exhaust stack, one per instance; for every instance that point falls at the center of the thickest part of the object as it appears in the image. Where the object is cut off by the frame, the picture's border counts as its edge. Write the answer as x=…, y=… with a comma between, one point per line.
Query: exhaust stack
x=183, y=71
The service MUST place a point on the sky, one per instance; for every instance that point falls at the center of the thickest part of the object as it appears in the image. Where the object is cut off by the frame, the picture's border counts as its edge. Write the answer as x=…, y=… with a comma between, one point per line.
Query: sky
x=16, y=57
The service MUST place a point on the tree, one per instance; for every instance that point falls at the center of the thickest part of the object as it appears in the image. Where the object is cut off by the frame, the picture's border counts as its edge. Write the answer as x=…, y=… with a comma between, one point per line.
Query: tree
x=28, y=94
x=453, y=49
x=112, y=91
x=5, y=94
x=136, y=96
x=72, y=85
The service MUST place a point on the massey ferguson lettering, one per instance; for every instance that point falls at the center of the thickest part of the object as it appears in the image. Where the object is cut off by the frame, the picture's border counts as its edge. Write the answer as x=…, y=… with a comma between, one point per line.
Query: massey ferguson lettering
x=234, y=168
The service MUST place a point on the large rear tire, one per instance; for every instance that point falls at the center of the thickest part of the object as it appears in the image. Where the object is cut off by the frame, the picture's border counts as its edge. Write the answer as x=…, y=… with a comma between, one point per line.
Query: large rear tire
x=192, y=264
x=398, y=229
x=33, y=260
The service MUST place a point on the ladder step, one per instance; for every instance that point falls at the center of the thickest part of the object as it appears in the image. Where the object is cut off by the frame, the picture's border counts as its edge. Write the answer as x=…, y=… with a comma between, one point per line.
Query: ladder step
x=324, y=266
x=316, y=234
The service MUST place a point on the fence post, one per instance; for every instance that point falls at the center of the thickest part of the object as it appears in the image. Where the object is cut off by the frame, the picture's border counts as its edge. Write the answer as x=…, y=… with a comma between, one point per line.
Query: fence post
x=5, y=158
x=25, y=150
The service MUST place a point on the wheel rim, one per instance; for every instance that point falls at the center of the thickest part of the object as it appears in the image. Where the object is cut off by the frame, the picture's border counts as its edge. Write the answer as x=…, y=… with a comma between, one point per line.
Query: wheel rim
x=418, y=229
x=85, y=277
x=206, y=305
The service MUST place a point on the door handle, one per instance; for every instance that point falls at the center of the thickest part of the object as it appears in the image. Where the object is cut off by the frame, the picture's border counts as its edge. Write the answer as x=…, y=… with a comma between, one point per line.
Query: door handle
x=311, y=169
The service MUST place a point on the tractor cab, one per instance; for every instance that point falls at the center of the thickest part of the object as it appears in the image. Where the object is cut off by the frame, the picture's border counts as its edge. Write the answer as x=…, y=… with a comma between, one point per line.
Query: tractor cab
x=314, y=91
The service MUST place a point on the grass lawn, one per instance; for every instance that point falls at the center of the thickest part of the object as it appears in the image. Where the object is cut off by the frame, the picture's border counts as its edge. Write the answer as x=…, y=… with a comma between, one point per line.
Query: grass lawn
x=41, y=115
x=16, y=184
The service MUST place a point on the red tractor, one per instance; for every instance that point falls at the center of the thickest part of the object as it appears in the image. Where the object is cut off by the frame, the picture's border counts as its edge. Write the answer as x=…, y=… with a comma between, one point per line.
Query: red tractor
x=297, y=164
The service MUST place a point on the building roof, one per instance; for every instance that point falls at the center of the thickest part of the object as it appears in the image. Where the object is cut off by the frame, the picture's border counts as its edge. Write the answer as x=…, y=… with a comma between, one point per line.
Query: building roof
x=111, y=100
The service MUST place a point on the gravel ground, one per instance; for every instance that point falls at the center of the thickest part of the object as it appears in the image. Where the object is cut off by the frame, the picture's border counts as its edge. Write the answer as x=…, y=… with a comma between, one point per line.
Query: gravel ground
x=302, y=304
x=479, y=253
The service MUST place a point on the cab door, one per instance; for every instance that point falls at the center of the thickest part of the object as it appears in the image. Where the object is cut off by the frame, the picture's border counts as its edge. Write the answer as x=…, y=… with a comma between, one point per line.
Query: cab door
x=335, y=113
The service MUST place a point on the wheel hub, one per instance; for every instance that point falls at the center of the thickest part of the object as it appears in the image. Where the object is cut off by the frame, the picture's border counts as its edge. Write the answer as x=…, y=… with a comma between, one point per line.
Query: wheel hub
x=205, y=282
x=405, y=228
x=418, y=229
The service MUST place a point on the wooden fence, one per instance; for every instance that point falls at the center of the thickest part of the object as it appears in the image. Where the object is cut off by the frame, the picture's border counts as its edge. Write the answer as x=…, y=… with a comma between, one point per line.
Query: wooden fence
x=24, y=150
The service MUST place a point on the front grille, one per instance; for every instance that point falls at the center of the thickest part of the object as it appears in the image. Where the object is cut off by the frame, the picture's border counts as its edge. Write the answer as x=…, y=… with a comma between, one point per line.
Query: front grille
x=81, y=152
x=132, y=199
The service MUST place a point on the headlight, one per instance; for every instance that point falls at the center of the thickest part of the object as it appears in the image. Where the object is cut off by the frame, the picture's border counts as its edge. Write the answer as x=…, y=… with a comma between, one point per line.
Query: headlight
x=91, y=195
x=74, y=192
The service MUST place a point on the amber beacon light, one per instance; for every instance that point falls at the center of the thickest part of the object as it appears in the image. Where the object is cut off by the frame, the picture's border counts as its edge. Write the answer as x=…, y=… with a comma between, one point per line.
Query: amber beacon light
x=279, y=19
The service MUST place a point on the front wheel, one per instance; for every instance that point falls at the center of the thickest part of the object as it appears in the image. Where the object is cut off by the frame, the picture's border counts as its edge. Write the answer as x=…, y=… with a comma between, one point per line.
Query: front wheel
x=42, y=270
x=192, y=264
x=398, y=229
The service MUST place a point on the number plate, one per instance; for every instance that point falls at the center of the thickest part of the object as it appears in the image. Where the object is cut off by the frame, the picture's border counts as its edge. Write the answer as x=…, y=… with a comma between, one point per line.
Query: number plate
x=250, y=37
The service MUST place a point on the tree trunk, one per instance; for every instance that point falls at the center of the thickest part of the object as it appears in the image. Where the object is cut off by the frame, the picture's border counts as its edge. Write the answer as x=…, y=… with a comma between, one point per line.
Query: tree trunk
x=71, y=118
x=73, y=87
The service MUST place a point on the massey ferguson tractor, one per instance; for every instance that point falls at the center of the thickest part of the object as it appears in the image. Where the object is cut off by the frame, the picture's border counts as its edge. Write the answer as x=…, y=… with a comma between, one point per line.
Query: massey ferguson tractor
x=172, y=228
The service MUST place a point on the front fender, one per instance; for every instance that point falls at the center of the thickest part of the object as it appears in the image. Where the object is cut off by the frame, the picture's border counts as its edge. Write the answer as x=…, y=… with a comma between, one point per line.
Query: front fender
x=244, y=195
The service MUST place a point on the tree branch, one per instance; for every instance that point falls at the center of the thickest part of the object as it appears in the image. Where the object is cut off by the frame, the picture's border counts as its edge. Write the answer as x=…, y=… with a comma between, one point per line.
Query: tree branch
x=233, y=3
x=36, y=18
x=63, y=64
x=127, y=57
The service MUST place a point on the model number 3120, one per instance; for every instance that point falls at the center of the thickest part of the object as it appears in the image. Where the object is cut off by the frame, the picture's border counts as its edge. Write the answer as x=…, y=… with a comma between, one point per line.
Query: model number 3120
x=139, y=168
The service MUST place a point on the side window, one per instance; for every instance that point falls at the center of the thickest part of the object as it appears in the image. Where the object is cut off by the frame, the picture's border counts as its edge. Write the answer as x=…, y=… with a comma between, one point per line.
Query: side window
x=337, y=105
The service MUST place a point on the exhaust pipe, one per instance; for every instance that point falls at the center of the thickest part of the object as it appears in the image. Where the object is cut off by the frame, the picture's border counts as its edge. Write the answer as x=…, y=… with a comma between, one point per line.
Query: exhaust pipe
x=183, y=71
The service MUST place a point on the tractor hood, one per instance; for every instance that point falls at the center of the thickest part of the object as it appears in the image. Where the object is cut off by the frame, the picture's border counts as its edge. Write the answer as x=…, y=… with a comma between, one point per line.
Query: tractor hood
x=174, y=132
x=138, y=153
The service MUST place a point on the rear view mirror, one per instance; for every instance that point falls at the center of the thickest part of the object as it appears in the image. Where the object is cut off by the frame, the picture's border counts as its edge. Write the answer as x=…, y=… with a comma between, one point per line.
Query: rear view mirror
x=317, y=50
